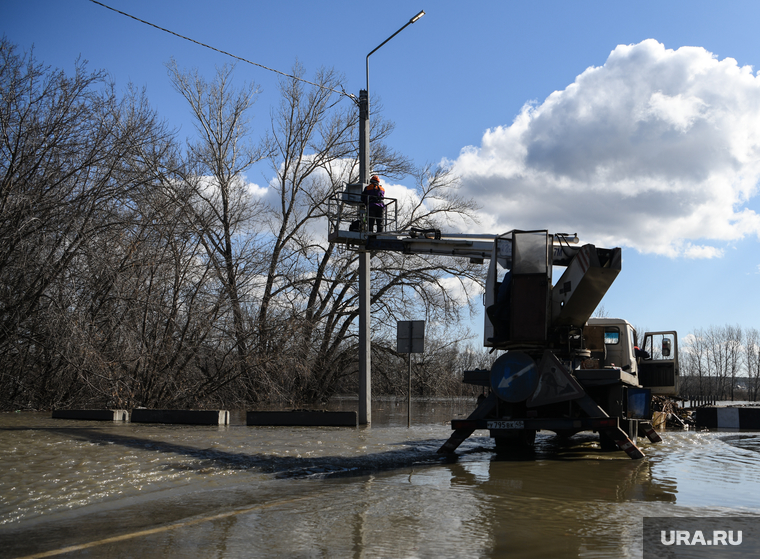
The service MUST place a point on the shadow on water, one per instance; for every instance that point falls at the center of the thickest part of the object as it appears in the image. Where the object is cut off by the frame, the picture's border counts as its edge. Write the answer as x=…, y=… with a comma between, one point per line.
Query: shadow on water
x=413, y=453
x=410, y=453
x=743, y=441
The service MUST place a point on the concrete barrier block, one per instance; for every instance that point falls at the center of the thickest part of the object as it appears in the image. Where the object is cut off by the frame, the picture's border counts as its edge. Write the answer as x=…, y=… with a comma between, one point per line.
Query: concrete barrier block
x=186, y=417
x=302, y=418
x=728, y=418
x=92, y=415
x=707, y=417
x=749, y=418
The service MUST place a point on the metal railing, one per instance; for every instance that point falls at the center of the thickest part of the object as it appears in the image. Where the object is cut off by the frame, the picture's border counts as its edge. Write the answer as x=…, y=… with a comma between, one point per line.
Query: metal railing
x=349, y=216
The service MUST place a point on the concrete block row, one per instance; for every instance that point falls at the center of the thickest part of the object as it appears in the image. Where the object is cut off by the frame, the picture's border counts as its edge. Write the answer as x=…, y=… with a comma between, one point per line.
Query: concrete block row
x=728, y=418
x=186, y=417
x=304, y=418
x=92, y=415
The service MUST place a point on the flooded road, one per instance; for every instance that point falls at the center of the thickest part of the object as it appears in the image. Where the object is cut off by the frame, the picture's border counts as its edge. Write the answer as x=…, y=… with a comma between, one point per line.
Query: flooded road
x=94, y=489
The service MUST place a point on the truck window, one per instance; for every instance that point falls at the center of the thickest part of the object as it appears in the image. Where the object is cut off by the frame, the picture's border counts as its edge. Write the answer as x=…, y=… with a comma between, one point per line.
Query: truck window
x=660, y=347
x=612, y=336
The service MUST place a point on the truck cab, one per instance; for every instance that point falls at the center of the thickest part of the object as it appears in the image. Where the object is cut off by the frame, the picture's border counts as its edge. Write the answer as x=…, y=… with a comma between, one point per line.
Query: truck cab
x=613, y=343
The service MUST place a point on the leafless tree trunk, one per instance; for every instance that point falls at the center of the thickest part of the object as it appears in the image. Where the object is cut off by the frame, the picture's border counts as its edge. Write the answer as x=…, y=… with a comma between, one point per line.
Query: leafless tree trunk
x=307, y=137
x=71, y=161
x=734, y=339
x=752, y=362
x=221, y=206
x=694, y=365
x=716, y=356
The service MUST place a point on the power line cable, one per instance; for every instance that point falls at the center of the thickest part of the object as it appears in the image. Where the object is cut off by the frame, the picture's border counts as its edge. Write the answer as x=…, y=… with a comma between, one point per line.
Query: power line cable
x=342, y=92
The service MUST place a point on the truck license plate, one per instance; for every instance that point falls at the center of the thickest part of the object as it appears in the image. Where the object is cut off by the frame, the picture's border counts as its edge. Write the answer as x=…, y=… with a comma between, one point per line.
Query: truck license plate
x=506, y=425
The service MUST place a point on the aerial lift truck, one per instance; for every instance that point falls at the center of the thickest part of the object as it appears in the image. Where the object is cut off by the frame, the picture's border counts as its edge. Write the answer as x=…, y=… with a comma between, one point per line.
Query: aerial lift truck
x=560, y=369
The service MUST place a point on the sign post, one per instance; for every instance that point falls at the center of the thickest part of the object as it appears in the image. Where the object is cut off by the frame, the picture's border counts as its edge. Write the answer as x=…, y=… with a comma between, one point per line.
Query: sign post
x=410, y=338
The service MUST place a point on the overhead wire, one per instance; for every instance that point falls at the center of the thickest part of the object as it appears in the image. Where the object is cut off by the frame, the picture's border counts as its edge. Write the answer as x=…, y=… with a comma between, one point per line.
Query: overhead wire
x=342, y=92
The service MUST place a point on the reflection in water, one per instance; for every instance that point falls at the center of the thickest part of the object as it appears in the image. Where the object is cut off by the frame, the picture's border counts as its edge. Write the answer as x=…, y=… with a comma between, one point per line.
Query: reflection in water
x=568, y=506
x=181, y=491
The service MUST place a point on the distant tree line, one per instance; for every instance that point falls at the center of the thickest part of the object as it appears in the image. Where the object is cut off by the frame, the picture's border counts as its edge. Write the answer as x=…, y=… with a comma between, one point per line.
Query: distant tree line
x=138, y=270
x=723, y=361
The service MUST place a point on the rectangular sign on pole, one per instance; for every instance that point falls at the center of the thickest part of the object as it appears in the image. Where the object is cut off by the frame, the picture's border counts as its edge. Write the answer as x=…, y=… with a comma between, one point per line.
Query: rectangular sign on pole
x=410, y=336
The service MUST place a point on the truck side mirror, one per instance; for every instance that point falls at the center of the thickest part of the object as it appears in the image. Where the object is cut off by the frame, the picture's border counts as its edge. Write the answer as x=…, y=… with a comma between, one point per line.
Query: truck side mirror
x=666, y=344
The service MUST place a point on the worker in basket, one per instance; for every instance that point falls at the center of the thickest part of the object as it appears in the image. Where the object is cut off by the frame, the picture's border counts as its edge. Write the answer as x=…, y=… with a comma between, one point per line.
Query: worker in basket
x=372, y=197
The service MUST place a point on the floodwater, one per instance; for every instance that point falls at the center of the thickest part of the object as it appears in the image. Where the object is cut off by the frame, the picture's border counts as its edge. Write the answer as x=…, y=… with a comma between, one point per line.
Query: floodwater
x=93, y=489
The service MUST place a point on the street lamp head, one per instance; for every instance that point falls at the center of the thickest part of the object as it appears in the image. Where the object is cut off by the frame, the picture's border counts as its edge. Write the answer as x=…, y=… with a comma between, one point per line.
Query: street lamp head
x=364, y=108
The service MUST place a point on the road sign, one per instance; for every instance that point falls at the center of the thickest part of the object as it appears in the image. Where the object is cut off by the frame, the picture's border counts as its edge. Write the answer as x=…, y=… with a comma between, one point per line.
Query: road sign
x=410, y=336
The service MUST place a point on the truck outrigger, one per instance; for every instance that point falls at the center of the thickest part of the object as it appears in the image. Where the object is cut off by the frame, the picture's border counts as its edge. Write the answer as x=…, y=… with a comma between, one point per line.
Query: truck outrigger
x=561, y=370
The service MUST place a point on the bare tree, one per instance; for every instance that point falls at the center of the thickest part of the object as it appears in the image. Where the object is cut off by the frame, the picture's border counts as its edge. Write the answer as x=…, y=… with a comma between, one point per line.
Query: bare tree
x=71, y=159
x=714, y=359
x=752, y=362
x=132, y=273
x=220, y=205
x=734, y=339
x=724, y=357
x=601, y=312
x=308, y=301
x=692, y=359
x=307, y=137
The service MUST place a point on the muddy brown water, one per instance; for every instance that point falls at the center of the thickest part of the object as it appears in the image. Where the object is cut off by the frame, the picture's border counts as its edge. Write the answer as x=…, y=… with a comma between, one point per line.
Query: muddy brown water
x=93, y=489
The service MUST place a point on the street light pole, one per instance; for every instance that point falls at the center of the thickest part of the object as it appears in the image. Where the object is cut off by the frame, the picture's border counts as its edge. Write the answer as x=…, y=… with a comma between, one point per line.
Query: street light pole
x=365, y=368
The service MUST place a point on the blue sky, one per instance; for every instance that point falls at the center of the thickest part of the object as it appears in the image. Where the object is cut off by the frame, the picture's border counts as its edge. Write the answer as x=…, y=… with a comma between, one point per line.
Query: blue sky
x=584, y=117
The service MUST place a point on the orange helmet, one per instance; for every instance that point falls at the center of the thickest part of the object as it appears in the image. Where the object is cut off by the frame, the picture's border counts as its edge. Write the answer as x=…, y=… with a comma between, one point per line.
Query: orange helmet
x=375, y=179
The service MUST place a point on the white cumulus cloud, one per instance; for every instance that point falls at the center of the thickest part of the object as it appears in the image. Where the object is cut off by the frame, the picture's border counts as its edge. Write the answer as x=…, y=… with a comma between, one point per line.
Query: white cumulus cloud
x=657, y=149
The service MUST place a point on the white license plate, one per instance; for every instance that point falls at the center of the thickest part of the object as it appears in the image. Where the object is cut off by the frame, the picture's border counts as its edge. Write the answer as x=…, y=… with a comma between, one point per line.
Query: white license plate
x=506, y=425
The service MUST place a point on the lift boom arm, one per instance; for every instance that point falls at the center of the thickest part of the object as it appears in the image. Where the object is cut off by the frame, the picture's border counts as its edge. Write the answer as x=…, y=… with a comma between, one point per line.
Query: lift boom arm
x=475, y=247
